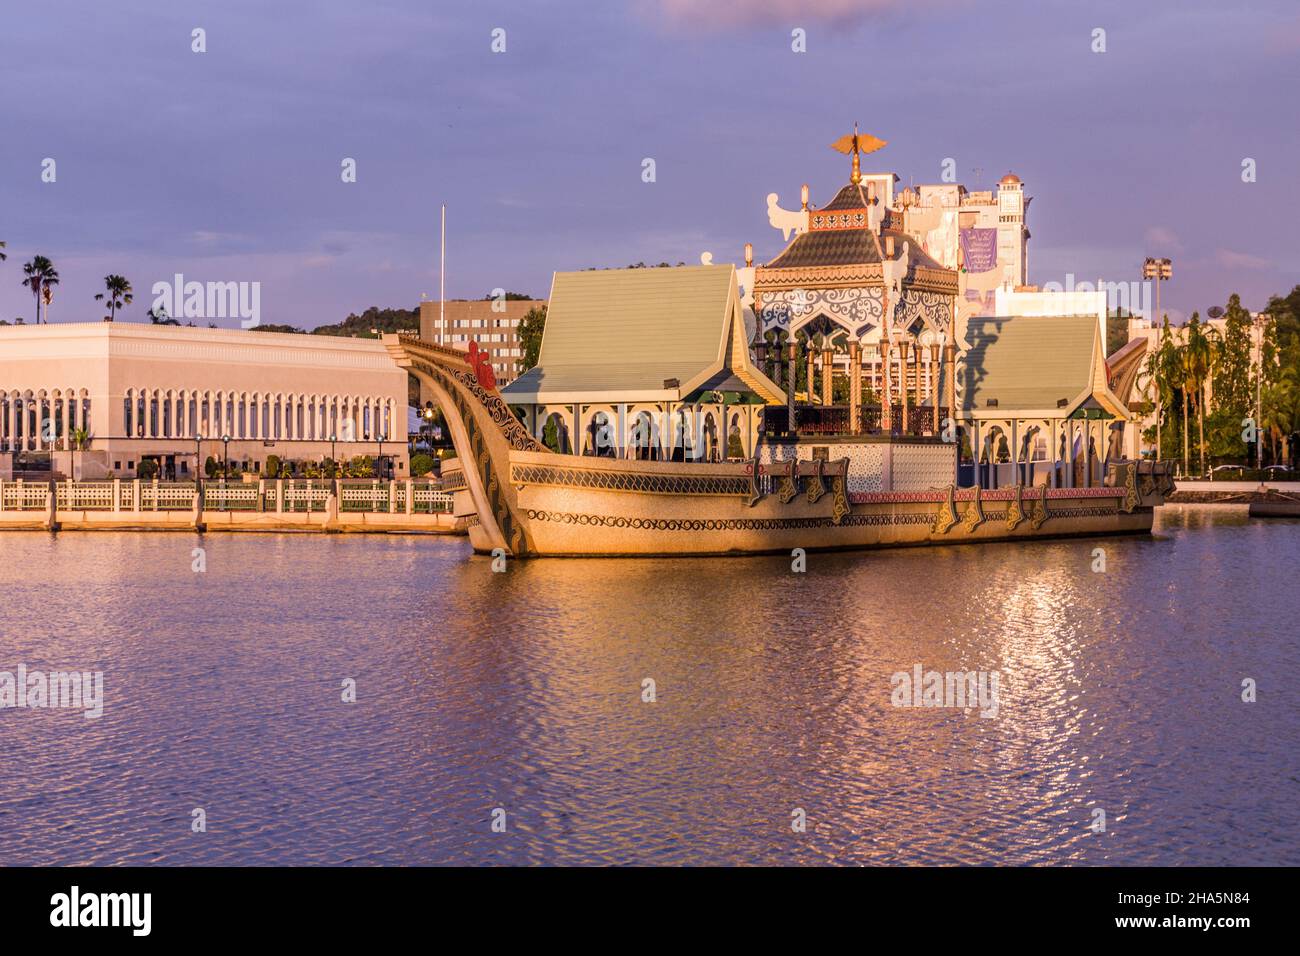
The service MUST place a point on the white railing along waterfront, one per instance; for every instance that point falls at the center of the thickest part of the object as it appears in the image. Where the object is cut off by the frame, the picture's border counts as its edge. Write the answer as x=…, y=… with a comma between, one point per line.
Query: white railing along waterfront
x=405, y=496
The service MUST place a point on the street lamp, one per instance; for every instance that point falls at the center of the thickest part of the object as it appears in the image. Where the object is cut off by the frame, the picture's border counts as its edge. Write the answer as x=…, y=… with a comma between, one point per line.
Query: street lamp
x=1257, y=333
x=427, y=414
x=334, y=465
x=198, y=456
x=225, y=457
x=1159, y=270
x=380, y=463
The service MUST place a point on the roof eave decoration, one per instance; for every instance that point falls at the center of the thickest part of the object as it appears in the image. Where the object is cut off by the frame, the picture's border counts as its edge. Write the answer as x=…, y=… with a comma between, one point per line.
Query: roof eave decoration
x=922, y=278
x=734, y=344
x=591, y=397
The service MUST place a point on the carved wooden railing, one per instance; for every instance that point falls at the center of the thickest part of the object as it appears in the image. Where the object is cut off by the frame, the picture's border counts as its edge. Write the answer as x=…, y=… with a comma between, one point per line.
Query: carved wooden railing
x=835, y=420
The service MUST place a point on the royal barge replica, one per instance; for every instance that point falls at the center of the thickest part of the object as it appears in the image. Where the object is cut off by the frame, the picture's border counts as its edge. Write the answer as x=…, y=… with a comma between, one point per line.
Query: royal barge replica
x=519, y=496
x=845, y=394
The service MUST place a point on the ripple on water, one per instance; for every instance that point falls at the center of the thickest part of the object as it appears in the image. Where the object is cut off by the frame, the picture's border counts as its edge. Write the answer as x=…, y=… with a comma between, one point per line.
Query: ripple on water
x=475, y=690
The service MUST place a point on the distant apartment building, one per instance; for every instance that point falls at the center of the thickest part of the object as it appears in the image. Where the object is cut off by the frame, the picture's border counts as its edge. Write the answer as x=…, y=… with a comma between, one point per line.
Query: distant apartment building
x=493, y=324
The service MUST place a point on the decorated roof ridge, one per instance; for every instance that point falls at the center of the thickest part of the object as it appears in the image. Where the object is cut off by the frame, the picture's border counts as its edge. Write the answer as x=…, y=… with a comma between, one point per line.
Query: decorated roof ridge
x=917, y=256
x=828, y=247
x=852, y=244
x=851, y=196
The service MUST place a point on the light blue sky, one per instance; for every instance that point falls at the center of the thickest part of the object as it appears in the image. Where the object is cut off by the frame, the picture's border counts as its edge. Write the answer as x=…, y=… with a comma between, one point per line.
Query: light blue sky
x=225, y=165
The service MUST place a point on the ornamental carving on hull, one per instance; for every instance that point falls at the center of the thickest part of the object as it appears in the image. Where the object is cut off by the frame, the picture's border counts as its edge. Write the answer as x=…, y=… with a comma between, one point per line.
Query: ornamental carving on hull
x=1016, y=510
x=790, y=308
x=840, y=506
x=816, y=486
x=632, y=482
x=1038, y=516
x=511, y=428
x=480, y=457
x=945, y=515
x=974, y=516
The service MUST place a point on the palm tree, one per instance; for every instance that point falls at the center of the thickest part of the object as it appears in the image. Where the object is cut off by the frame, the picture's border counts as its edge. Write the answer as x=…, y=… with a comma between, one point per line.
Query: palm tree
x=40, y=275
x=1281, y=411
x=80, y=439
x=1199, y=361
x=119, y=294
x=1176, y=375
x=1163, y=374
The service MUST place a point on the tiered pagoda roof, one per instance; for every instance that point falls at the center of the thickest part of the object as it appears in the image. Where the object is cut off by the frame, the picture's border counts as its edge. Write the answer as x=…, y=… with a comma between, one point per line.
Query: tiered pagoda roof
x=840, y=234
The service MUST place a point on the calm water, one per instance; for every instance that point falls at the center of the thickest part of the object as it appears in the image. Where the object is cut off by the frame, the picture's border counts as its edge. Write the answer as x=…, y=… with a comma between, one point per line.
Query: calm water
x=1119, y=690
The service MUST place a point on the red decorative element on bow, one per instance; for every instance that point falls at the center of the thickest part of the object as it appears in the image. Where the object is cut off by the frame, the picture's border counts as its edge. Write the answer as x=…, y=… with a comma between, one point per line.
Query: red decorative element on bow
x=478, y=359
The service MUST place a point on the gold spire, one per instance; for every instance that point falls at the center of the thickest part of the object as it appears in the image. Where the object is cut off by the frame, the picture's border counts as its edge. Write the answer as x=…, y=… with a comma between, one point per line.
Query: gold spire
x=856, y=144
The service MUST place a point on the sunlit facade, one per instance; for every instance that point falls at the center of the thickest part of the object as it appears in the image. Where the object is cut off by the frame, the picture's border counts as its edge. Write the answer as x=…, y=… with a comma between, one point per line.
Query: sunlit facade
x=173, y=394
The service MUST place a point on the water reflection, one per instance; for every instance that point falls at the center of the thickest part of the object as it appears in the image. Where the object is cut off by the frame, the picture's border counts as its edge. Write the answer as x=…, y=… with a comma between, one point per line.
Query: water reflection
x=522, y=690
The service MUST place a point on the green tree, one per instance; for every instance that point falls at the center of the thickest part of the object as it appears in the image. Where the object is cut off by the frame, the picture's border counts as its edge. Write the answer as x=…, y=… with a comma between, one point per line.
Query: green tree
x=374, y=322
x=1233, y=388
x=421, y=465
x=531, y=327
x=210, y=467
x=119, y=293
x=1116, y=331
x=1281, y=413
x=1162, y=368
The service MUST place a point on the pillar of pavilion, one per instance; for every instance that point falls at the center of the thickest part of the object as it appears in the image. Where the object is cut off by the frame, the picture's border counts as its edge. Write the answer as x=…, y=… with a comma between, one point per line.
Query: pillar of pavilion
x=792, y=348
x=855, y=387
x=904, y=388
x=828, y=355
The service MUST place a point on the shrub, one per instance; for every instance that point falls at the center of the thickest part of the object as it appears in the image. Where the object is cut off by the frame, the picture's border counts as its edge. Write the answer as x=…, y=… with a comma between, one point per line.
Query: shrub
x=272, y=467
x=147, y=470
x=421, y=465
x=211, y=468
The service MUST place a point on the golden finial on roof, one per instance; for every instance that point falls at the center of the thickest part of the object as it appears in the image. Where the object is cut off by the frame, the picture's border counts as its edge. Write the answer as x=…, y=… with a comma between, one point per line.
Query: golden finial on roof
x=856, y=144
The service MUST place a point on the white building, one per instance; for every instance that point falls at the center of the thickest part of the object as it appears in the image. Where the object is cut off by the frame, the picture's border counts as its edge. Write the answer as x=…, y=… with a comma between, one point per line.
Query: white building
x=172, y=394
x=981, y=233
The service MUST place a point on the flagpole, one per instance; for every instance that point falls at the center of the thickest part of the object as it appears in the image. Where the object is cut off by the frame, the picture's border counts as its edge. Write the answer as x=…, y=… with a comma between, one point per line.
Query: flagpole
x=442, y=281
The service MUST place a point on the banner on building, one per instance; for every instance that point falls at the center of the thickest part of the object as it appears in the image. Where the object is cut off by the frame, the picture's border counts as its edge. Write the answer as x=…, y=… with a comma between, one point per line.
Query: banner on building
x=979, y=249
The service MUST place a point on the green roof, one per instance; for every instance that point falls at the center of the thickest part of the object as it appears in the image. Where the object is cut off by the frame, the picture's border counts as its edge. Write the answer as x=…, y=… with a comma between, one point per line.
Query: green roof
x=623, y=332
x=1027, y=362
